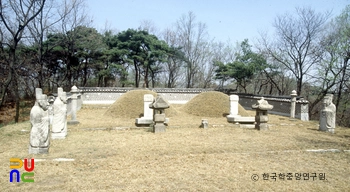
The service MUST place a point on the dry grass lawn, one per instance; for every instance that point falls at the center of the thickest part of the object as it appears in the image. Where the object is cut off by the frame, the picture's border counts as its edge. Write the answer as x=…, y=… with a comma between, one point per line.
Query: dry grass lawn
x=185, y=158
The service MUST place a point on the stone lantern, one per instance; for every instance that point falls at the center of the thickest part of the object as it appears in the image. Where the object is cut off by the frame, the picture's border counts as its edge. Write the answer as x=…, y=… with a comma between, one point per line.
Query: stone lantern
x=159, y=105
x=261, y=117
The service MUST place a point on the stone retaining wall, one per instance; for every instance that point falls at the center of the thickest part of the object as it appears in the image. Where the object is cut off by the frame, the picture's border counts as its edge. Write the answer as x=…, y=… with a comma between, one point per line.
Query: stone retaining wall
x=108, y=95
x=281, y=105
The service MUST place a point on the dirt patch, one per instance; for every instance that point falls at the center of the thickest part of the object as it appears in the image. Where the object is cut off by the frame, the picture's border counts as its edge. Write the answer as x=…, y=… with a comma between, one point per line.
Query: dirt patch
x=8, y=112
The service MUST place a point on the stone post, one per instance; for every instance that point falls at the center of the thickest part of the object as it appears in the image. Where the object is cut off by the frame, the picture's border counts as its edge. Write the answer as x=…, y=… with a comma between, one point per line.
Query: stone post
x=204, y=124
x=147, y=118
x=159, y=106
x=261, y=117
x=234, y=105
x=292, y=105
x=74, y=99
x=147, y=100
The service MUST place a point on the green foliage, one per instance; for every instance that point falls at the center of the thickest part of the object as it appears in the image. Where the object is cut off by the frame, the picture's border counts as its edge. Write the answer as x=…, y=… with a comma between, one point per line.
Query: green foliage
x=243, y=68
x=143, y=51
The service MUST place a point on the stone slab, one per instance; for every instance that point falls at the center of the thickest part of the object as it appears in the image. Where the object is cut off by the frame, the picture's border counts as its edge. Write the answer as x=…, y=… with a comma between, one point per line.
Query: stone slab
x=37, y=150
x=247, y=126
x=143, y=121
x=240, y=119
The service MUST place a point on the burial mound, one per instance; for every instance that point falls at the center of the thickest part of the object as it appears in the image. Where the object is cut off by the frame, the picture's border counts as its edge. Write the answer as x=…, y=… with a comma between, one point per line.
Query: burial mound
x=130, y=105
x=211, y=104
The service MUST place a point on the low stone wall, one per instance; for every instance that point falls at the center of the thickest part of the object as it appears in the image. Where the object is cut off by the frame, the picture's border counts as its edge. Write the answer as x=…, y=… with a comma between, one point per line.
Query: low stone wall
x=281, y=105
x=108, y=95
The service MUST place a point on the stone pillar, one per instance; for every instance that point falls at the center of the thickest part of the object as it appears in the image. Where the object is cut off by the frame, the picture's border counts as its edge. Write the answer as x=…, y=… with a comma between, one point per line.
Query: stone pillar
x=75, y=92
x=147, y=100
x=304, y=110
x=204, y=124
x=159, y=105
x=292, y=105
x=234, y=105
x=261, y=117
x=328, y=115
x=147, y=118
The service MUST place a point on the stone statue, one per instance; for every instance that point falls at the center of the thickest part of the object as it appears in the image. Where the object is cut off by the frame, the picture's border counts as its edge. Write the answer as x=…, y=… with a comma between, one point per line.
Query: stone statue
x=51, y=99
x=327, y=115
x=59, y=125
x=39, y=118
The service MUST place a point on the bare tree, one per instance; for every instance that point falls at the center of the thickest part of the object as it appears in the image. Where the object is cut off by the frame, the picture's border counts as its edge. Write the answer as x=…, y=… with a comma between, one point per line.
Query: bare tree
x=335, y=75
x=296, y=42
x=192, y=37
x=76, y=18
x=45, y=23
x=173, y=66
x=15, y=16
x=149, y=26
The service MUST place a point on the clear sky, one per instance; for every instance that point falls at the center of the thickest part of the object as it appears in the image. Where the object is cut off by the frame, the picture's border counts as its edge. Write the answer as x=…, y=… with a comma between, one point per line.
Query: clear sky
x=232, y=20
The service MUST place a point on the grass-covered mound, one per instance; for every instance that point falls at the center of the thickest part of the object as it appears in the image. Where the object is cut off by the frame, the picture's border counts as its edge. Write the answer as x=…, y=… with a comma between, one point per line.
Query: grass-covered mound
x=211, y=104
x=130, y=105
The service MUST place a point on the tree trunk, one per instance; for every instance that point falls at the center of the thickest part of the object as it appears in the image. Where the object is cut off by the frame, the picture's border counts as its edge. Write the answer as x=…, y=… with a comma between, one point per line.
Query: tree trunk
x=299, y=85
x=146, y=77
x=340, y=89
x=136, y=74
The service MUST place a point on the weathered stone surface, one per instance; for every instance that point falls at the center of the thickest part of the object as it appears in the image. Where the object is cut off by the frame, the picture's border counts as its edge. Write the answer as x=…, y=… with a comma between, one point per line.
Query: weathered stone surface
x=262, y=104
x=234, y=105
x=51, y=100
x=261, y=117
x=143, y=121
x=244, y=122
x=147, y=118
x=159, y=118
x=204, y=124
x=240, y=119
x=328, y=115
x=159, y=105
x=74, y=105
x=292, y=106
x=59, y=126
x=159, y=128
x=39, y=140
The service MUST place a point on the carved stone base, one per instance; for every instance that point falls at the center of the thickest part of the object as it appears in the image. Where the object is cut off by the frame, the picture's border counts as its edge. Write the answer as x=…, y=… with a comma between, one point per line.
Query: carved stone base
x=159, y=128
x=143, y=121
x=61, y=135
x=262, y=126
x=38, y=150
